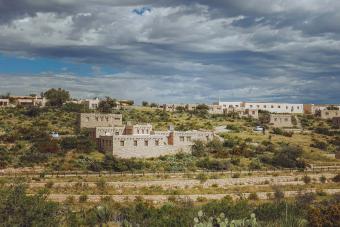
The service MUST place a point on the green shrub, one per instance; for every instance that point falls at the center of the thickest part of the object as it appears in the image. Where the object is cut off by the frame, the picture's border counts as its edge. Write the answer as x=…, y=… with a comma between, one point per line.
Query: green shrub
x=83, y=198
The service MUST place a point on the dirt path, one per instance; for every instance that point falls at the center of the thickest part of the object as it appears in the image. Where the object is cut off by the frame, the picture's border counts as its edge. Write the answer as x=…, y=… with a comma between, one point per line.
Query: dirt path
x=164, y=198
x=189, y=183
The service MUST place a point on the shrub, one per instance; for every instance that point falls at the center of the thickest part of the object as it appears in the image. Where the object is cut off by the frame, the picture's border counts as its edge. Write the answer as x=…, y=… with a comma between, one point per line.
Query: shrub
x=336, y=178
x=323, y=179
x=278, y=193
x=202, y=177
x=306, y=179
x=83, y=198
x=253, y=196
x=289, y=157
x=281, y=132
x=49, y=184
x=236, y=175
x=198, y=149
x=320, y=145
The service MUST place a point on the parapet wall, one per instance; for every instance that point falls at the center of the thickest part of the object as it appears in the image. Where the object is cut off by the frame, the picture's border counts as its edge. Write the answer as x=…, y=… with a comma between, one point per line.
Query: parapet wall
x=93, y=120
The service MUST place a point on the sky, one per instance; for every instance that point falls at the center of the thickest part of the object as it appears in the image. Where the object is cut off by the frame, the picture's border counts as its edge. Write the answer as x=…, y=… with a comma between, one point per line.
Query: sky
x=177, y=51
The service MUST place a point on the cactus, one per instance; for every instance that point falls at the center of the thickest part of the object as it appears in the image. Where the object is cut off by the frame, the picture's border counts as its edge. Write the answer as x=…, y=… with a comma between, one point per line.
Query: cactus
x=222, y=221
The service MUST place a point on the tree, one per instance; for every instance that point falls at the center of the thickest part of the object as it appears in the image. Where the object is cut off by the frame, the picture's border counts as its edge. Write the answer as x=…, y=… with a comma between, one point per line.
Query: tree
x=198, y=149
x=145, y=103
x=106, y=105
x=19, y=209
x=57, y=97
x=153, y=104
x=289, y=157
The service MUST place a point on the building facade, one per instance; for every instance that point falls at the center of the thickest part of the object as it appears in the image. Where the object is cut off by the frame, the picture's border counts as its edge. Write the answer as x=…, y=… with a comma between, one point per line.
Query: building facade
x=93, y=120
x=275, y=107
x=4, y=102
x=329, y=114
x=139, y=140
x=281, y=120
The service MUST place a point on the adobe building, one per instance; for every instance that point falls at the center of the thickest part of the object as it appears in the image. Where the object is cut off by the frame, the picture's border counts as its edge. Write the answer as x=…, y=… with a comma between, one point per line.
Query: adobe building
x=138, y=140
x=242, y=112
x=281, y=120
x=4, y=103
x=329, y=114
x=93, y=120
x=28, y=101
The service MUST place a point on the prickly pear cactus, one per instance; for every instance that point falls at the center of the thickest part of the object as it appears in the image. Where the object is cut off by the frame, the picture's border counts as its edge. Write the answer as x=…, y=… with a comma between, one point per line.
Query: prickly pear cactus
x=222, y=221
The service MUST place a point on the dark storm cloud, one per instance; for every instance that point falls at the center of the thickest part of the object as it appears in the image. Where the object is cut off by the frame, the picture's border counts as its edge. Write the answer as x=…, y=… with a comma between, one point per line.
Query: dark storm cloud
x=250, y=49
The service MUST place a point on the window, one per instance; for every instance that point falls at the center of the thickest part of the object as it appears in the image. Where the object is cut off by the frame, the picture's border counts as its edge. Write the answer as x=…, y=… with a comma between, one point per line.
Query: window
x=122, y=143
x=142, y=131
x=189, y=138
x=135, y=143
x=286, y=119
x=137, y=131
x=146, y=143
x=258, y=106
x=251, y=106
x=279, y=107
x=97, y=119
x=298, y=107
x=264, y=106
x=253, y=112
x=157, y=142
x=181, y=138
x=87, y=119
x=272, y=106
x=116, y=133
x=275, y=119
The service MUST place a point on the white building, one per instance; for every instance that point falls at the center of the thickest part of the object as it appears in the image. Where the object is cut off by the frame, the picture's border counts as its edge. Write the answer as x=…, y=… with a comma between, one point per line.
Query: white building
x=226, y=105
x=275, y=107
x=268, y=106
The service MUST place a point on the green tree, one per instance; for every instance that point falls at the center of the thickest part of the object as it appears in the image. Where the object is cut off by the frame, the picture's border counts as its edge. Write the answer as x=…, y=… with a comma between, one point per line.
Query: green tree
x=57, y=97
x=19, y=209
x=106, y=105
x=289, y=157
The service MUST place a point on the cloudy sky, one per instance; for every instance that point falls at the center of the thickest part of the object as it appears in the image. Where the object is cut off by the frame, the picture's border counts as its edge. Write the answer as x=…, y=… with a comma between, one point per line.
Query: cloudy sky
x=173, y=50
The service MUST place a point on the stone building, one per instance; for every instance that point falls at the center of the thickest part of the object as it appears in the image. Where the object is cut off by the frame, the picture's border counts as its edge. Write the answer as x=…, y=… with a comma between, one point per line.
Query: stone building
x=152, y=144
x=242, y=112
x=139, y=140
x=336, y=122
x=93, y=120
x=28, y=101
x=329, y=114
x=215, y=109
x=281, y=120
x=174, y=107
x=4, y=102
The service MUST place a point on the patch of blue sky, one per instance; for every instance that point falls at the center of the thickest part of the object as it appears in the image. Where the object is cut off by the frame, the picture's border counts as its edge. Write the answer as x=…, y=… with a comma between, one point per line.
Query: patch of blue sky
x=141, y=11
x=19, y=65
